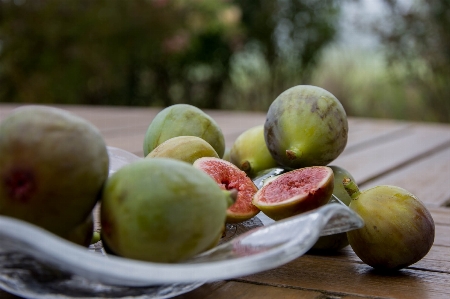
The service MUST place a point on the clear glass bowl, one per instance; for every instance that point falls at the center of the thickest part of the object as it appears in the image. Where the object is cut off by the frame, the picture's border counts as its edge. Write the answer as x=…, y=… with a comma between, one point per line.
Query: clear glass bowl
x=37, y=264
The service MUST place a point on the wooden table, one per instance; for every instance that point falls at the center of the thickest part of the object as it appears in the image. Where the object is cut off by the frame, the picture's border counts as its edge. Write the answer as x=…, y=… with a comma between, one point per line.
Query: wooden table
x=414, y=156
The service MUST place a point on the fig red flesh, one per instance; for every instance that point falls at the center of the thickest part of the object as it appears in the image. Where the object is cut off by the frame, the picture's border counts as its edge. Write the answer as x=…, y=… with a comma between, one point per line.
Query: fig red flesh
x=228, y=177
x=291, y=185
x=295, y=192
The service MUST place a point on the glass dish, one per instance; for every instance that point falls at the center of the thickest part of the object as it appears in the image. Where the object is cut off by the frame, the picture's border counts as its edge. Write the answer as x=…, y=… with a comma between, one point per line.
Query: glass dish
x=37, y=264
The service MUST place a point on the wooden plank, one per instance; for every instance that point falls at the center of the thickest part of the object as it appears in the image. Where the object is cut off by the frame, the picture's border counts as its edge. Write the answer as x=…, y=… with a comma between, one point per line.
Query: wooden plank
x=440, y=215
x=380, y=159
x=436, y=260
x=372, y=133
x=344, y=277
x=203, y=291
x=133, y=144
x=424, y=178
x=240, y=290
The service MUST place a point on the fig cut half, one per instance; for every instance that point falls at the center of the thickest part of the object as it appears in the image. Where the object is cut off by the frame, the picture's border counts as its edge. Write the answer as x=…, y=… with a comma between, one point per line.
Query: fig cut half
x=295, y=192
x=228, y=176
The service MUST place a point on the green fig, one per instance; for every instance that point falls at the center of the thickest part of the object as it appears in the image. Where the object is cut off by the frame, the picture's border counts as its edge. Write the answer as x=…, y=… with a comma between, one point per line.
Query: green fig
x=305, y=126
x=332, y=243
x=53, y=166
x=249, y=152
x=162, y=210
x=226, y=155
x=183, y=120
x=398, y=232
x=184, y=148
x=83, y=233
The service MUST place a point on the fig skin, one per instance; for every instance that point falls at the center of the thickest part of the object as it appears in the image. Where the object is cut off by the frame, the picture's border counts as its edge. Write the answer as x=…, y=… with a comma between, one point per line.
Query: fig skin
x=249, y=152
x=161, y=210
x=183, y=120
x=184, y=148
x=333, y=243
x=53, y=165
x=305, y=126
x=314, y=195
x=83, y=233
x=399, y=230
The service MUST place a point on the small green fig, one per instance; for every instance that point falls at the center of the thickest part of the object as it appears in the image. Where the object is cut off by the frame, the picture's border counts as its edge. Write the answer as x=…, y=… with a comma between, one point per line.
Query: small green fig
x=183, y=120
x=184, y=148
x=399, y=230
x=249, y=152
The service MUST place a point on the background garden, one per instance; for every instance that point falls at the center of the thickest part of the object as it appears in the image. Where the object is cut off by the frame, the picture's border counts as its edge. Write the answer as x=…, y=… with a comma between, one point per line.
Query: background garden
x=227, y=54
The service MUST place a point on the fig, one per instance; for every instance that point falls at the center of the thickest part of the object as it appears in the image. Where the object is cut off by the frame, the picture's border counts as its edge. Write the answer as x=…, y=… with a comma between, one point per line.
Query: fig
x=161, y=210
x=305, y=126
x=184, y=148
x=398, y=232
x=296, y=191
x=53, y=166
x=229, y=177
x=183, y=120
x=83, y=233
x=249, y=152
x=332, y=243
x=226, y=155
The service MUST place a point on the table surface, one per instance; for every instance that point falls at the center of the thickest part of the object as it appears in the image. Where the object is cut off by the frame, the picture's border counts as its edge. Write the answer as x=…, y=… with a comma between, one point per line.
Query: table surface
x=411, y=155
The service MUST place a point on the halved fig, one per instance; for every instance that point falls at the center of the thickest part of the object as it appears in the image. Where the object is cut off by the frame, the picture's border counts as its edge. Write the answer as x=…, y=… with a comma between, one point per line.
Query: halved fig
x=228, y=176
x=295, y=192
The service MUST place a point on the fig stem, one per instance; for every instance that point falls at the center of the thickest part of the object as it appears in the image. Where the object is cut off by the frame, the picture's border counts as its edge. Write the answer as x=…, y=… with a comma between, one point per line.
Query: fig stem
x=351, y=188
x=232, y=195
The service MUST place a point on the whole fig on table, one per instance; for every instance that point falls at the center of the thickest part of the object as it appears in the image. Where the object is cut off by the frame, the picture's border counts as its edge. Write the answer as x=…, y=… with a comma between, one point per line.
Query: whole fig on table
x=332, y=243
x=162, y=210
x=249, y=152
x=183, y=120
x=184, y=148
x=53, y=165
x=398, y=231
x=305, y=126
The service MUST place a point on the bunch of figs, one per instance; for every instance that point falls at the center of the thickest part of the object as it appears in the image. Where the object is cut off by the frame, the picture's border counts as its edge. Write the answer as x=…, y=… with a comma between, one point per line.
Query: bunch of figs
x=176, y=201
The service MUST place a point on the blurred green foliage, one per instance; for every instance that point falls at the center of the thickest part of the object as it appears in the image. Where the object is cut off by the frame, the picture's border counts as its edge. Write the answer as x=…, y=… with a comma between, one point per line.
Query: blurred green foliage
x=407, y=76
x=417, y=41
x=212, y=54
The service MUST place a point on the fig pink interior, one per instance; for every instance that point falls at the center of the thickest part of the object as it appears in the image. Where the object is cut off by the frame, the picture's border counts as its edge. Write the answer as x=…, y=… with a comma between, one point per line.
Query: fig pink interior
x=295, y=183
x=230, y=178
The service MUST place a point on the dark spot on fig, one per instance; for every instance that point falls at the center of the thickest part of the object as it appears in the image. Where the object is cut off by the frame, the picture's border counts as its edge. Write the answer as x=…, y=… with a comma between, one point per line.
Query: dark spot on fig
x=291, y=155
x=20, y=184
